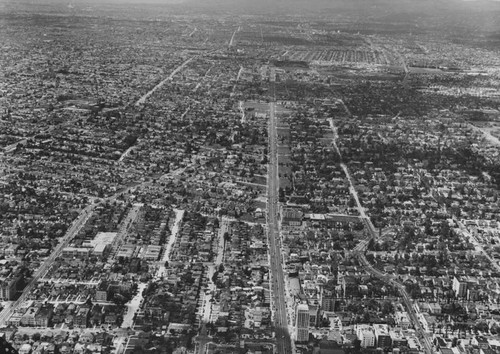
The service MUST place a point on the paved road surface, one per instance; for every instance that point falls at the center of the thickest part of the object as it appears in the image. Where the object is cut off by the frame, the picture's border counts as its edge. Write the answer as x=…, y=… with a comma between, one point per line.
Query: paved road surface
x=66, y=239
x=424, y=337
x=231, y=41
x=123, y=228
x=362, y=246
x=143, y=99
x=179, y=215
x=203, y=338
x=352, y=189
x=478, y=246
x=487, y=134
x=75, y=227
x=132, y=307
x=278, y=282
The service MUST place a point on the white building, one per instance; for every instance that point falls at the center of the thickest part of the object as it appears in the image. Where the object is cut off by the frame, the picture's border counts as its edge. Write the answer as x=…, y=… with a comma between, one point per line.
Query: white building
x=402, y=320
x=366, y=335
x=302, y=323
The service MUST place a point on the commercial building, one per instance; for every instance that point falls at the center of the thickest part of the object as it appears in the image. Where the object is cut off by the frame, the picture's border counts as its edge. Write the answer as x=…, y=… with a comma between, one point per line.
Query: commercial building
x=302, y=323
x=366, y=335
x=459, y=287
x=8, y=287
x=382, y=336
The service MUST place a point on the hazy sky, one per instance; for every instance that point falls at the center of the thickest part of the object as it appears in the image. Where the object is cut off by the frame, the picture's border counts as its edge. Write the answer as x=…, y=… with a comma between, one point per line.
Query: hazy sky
x=294, y=6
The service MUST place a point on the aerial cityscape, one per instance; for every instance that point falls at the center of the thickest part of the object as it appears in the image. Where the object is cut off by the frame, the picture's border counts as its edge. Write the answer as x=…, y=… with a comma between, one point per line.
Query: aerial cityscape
x=251, y=177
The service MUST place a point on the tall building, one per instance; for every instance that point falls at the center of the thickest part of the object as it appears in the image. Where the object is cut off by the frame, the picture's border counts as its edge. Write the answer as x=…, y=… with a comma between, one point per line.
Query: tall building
x=327, y=300
x=382, y=336
x=459, y=287
x=8, y=287
x=366, y=335
x=313, y=315
x=302, y=323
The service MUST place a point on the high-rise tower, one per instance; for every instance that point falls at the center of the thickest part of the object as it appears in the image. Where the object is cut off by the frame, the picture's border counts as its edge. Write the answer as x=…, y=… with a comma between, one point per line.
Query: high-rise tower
x=302, y=323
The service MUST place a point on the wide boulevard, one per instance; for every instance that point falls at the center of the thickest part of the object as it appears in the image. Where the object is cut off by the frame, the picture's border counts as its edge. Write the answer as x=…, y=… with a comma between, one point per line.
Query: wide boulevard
x=278, y=284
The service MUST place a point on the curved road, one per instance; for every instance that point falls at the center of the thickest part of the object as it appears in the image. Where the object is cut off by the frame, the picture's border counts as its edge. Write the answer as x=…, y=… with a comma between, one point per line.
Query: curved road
x=362, y=246
x=406, y=298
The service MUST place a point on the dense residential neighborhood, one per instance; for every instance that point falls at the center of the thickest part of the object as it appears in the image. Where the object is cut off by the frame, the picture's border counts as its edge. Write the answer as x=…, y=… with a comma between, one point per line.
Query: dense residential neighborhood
x=182, y=180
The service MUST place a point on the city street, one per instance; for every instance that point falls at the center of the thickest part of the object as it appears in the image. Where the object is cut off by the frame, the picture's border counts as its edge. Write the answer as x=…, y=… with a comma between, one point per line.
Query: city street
x=70, y=234
x=424, y=337
x=132, y=307
x=179, y=214
x=362, y=246
x=275, y=177
x=278, y=282
x=144, y=98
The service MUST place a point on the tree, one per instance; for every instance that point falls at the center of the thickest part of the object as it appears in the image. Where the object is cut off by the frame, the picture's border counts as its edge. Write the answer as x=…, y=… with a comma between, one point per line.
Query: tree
x=387, y=308
x=325, y=322
x=357, y=345
x=214, y=277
